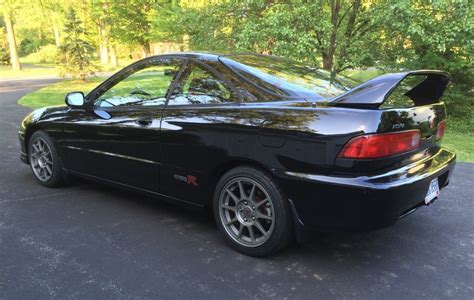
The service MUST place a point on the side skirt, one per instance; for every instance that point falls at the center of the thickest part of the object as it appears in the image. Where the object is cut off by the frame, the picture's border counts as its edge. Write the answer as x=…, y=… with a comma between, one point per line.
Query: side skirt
x=163, y=197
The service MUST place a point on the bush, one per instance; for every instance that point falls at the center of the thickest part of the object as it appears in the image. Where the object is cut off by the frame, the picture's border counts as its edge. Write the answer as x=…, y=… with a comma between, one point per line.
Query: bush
x=5, y=57
x=46, y=54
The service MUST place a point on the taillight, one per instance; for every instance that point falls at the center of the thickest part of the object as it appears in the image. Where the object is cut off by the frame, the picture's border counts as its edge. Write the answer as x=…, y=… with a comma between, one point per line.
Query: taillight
x=441, y=130
x=381, y=145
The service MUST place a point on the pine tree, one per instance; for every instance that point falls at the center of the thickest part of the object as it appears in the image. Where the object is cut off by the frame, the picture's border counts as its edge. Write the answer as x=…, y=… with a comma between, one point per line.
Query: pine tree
x=76, y=53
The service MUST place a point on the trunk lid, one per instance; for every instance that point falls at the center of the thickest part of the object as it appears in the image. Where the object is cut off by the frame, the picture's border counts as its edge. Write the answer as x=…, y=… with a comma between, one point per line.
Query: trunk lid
x=407, y=101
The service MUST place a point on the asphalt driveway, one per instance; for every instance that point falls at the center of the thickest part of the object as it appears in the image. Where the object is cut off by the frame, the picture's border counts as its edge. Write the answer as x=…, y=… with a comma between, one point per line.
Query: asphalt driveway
x=90, y=241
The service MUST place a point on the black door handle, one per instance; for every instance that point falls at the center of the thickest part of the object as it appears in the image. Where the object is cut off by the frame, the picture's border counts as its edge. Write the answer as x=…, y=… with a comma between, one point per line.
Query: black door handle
x=144, y=122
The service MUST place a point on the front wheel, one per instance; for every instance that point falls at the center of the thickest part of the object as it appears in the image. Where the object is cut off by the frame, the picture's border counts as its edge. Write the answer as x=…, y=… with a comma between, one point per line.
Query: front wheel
x=44, y=160
x=252, y=212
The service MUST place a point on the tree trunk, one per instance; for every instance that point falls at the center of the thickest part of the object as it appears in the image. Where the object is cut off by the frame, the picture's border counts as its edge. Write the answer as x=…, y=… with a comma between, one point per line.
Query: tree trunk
x=57, y=40
x=12, y=42
x=104, y=51
x=348, y=35
x=113, y=56
x=147, y=49
x=329, y=57
x=327, y=61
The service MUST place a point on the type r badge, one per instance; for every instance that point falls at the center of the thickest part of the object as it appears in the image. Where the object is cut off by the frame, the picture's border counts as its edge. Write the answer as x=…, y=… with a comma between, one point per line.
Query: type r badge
x=189, y=179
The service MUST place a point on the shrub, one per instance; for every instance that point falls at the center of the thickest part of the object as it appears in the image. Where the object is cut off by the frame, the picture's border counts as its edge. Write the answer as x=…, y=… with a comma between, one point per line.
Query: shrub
x=46, y=54
x=5, y=57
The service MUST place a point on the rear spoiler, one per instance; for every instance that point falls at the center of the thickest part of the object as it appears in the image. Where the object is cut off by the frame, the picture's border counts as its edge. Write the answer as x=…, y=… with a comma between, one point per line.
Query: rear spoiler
x=373, y=93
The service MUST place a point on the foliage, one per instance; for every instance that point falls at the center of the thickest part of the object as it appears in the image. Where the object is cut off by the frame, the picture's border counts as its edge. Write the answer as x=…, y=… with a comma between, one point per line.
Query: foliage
x=432, y=35
x=4, y=57
x=131, y=21
x=338, y=35
x=46, y=54
x=76, y=53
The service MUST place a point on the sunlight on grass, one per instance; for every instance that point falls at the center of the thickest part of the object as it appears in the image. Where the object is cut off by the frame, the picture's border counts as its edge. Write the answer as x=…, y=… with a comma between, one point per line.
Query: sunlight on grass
x=28, y=71
x=461, y=143
x=34, y=69
x=54, y=94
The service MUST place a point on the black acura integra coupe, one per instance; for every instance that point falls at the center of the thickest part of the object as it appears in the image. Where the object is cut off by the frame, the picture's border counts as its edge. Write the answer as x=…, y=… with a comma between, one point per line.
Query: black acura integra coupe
x=273, y=146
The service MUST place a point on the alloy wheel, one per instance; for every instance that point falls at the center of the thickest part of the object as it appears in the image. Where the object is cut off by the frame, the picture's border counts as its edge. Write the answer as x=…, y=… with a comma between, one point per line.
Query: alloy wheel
x=246, y=212
x=41, y=159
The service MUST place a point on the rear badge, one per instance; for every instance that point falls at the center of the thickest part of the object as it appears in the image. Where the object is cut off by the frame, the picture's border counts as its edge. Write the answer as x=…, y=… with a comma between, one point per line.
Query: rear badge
x=189, y=179
x=398, y=126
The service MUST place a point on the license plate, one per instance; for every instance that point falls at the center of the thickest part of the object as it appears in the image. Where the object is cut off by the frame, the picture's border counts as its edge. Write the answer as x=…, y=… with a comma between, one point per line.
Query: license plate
x=433, y=191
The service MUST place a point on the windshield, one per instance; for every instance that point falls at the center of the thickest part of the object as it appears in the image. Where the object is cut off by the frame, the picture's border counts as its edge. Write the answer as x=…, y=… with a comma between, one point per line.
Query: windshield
x=286, y=77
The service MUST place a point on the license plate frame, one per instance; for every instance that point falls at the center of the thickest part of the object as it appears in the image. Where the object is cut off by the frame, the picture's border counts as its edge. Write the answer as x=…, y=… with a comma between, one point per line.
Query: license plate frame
x=433, y=191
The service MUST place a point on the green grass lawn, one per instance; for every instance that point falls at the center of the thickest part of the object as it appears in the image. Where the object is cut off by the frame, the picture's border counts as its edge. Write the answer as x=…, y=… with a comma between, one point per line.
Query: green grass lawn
x=28, y=70
x=34, y=69
x=457, y=139
x=54, y=94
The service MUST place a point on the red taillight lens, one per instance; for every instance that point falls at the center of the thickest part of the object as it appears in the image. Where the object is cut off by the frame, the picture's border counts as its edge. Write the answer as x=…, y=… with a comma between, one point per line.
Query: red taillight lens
x=441, y=130
x=381, y=145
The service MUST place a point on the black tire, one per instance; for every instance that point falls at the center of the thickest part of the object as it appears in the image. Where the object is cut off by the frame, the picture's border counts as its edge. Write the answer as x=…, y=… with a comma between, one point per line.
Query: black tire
x=57, y=176
x=277, y=237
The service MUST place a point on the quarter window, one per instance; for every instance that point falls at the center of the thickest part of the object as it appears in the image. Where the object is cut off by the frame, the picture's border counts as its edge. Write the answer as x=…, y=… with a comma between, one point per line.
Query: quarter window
x=198, y=85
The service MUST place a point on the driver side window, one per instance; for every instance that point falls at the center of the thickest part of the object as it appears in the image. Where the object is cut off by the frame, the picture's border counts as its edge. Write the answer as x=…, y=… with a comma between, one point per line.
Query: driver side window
x=198, y=85
x=145, y=85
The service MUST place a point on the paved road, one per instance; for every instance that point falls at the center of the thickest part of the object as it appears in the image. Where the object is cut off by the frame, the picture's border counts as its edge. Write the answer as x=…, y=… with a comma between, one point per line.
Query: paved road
x=88, y=241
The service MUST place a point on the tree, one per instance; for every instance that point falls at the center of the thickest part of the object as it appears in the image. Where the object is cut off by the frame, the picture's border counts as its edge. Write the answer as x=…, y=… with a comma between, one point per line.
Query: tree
x=132, y=25
x=75, y=53
x=100, y=14
x=331, y=32
x=52, y=12
x=420, y=35
x=8, y=8
x=432, y=35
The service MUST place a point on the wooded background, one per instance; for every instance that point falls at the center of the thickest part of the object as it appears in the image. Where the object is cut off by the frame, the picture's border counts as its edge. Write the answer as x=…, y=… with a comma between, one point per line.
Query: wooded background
x=337, y=35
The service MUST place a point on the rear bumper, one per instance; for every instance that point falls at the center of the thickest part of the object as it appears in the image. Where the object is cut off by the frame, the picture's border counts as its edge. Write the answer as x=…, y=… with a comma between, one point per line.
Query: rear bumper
x=365, y=202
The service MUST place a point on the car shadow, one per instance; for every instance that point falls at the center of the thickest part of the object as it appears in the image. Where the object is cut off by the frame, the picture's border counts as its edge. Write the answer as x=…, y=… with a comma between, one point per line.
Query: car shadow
x=360, y=248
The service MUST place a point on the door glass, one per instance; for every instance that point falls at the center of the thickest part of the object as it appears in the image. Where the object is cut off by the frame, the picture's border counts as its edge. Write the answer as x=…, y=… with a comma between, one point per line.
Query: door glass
x=146, y=84
x=198, y=85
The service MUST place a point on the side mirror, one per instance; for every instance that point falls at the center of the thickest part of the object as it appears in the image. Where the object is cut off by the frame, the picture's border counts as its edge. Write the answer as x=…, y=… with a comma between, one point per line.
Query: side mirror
x=75, y=99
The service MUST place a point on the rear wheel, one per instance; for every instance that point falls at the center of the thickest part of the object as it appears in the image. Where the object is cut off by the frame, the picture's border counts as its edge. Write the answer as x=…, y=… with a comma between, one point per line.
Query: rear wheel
x=44, y=160
x=252, y=212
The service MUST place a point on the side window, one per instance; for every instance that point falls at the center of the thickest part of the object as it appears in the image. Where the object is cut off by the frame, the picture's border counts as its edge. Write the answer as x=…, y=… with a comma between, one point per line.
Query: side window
x=146, y=84
x=198, y=85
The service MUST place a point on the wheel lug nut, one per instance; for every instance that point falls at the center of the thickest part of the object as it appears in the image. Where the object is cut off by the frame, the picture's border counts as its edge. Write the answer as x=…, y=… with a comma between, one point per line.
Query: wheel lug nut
x=245, y=219
x=253, y=207
x=253, y=218
x=245, y=202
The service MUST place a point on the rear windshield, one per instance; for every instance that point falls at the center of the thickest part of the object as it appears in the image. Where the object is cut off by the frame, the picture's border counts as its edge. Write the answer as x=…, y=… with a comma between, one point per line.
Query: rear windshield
x=288, y=78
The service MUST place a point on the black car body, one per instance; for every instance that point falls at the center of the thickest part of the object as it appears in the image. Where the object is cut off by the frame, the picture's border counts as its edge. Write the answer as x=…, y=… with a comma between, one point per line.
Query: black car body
x=179, y=146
